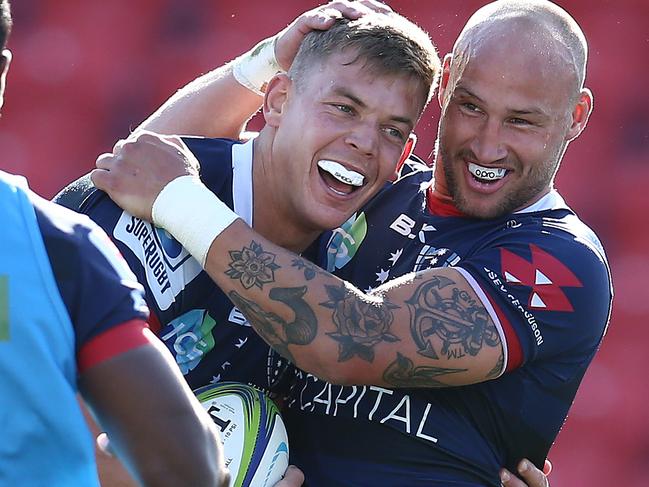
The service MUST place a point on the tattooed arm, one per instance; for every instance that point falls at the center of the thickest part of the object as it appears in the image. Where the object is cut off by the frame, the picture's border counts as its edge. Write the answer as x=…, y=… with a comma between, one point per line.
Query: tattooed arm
x=422, y=330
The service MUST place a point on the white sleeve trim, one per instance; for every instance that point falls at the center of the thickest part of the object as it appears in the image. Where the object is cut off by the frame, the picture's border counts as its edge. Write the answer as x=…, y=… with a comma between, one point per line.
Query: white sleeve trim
x=492, y=313
x=242, y=195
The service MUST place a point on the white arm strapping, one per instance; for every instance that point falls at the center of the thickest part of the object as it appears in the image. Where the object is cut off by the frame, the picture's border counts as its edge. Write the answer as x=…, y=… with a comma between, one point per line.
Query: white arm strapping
x=255, y=68
x=192, y=214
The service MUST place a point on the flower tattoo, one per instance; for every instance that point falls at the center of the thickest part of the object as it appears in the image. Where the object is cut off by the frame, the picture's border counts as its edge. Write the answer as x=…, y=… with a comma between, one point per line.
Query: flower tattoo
x=252, y=266
x=361, y=325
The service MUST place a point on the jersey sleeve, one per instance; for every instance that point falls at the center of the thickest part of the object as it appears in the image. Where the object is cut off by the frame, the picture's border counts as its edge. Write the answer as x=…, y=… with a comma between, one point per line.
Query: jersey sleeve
x=173, y=280
x=96, y=285
x=549, y=293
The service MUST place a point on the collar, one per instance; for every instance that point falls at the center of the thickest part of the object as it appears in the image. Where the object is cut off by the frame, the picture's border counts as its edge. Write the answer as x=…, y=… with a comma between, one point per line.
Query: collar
x=443, y=206
x=242, y=180
x=551, y=201
x=440, y=205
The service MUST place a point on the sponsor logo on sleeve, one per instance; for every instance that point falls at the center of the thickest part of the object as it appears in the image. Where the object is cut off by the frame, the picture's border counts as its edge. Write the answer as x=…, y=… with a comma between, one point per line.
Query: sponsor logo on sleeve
x=545, y=275
x=169, y=268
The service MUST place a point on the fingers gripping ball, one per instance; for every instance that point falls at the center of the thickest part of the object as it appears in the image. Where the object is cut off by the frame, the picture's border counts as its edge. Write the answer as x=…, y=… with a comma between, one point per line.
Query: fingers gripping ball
x=254, y=437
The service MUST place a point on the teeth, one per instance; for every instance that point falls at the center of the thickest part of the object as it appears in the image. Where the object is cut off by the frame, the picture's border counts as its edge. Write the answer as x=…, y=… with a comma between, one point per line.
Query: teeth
x=342, y=174
x=487, y=173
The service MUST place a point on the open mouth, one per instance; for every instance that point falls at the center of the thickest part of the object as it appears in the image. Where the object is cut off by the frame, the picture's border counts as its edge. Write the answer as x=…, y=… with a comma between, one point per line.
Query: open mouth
x=487, y=175
x=340, y=179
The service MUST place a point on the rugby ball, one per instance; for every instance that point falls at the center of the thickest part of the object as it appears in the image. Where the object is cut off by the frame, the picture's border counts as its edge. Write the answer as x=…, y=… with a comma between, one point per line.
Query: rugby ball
x=254, y=437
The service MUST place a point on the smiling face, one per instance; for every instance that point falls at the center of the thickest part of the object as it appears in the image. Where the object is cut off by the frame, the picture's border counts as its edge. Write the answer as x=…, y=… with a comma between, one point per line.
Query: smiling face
x=338, y=136
x=510, y=107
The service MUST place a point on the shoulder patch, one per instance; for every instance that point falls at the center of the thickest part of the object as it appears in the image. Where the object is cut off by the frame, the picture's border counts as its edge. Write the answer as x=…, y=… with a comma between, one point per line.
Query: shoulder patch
x=168, y=267
x=545, y=275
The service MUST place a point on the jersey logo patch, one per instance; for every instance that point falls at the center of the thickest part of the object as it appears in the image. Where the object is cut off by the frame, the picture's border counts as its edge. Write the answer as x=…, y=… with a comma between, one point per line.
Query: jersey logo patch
x=345, y=241
x=237, y=318
x=189, y=338
x=546, y=275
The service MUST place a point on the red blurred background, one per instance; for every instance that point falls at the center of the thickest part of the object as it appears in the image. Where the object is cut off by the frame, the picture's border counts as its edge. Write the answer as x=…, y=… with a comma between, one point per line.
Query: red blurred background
x=86, y=71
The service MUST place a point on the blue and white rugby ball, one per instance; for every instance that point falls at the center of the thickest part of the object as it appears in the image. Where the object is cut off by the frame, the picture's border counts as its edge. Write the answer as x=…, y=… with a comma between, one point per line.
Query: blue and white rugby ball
x=254, y=437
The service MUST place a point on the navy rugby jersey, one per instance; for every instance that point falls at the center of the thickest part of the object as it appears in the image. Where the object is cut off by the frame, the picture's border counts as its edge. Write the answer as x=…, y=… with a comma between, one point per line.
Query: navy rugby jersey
x=544, y=277
x=209, y=338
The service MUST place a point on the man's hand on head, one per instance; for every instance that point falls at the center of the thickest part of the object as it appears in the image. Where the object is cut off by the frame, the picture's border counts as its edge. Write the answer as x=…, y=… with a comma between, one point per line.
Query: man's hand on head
x=320, y=18
x=140, y=167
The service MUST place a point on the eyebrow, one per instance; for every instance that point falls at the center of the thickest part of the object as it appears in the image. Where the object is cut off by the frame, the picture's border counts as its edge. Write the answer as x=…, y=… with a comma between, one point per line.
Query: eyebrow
x=528, y=111
x=531, y=111
x=467, y=92
x=341, y=91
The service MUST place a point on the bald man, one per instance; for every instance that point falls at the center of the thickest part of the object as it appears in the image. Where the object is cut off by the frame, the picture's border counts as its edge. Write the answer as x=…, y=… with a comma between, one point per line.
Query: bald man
x=473, y=359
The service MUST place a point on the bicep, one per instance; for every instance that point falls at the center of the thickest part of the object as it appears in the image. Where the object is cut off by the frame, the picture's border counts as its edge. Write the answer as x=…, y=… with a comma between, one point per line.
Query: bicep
x=436, y=331
x=141, y=400
x=141, y=382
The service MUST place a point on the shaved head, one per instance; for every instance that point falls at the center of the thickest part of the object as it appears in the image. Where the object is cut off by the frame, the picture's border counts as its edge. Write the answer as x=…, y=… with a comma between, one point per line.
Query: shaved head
x=536, y=27
x=512, y=97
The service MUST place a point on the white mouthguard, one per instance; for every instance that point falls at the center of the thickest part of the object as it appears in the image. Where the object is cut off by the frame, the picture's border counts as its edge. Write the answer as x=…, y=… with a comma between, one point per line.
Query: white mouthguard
x=342, y=174
x=487, y=173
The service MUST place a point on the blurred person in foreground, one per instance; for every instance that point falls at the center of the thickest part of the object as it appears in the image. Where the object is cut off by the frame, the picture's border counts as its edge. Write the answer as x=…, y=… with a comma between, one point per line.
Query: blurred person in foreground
x=473, y=360
x=72, y=319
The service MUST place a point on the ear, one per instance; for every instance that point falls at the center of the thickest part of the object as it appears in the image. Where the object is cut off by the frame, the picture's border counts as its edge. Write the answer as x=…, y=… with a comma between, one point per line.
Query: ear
x=580, y=114
x=5, y=60
x=407, y=151
x=443, y=82
x=275, y=98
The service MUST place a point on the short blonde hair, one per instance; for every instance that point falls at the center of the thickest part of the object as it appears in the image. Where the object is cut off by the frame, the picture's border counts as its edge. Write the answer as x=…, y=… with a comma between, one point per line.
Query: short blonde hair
x=388, y=44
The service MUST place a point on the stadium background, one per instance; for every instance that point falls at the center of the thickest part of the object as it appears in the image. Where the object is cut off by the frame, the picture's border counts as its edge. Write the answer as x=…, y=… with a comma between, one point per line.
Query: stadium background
x=85, y=71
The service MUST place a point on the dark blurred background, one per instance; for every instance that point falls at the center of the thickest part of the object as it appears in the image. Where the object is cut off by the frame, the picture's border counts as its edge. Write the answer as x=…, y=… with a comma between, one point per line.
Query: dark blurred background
x=86, y=71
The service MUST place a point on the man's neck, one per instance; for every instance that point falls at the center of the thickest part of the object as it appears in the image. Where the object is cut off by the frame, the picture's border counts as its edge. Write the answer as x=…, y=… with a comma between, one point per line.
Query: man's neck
x=272, y=217
x=440, y=201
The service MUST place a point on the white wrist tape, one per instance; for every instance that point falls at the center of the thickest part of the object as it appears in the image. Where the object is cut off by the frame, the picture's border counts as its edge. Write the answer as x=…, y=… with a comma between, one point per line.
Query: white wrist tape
x=192, y=214
x=255, y=68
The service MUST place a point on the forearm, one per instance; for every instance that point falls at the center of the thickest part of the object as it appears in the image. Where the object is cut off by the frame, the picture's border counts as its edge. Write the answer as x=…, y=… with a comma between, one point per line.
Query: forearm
x=278, y=292
x=198, y=108
x=110, y=470
x=331, y=329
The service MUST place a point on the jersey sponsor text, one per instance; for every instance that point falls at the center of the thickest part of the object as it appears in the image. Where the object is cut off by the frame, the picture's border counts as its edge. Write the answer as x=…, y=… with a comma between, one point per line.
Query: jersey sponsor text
x=166, y=274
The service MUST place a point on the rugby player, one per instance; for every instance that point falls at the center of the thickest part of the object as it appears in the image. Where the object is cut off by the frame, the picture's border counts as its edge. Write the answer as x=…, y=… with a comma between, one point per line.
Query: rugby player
x=308, y=170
